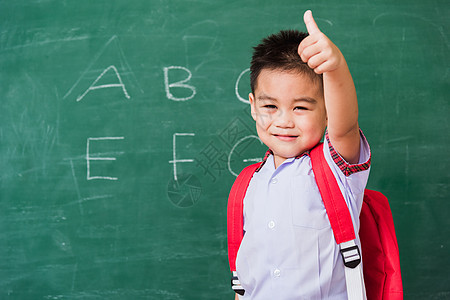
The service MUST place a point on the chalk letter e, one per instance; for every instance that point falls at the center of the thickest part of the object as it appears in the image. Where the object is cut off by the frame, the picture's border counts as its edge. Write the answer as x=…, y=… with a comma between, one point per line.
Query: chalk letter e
x=89, y=158
x=175, y=160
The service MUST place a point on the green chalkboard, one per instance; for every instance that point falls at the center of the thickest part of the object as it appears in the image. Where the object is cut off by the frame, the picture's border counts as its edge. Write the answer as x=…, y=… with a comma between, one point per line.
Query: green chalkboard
x=122, y=124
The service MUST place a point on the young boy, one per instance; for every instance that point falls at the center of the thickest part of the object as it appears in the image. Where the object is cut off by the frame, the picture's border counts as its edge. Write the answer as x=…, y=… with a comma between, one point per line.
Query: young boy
x=301, y=86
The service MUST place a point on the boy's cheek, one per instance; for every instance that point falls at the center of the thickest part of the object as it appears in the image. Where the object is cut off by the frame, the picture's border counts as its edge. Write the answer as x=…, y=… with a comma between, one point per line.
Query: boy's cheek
x=262, y=119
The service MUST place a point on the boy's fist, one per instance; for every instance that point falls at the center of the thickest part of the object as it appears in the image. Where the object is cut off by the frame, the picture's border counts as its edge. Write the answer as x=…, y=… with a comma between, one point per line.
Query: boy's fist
x=317, y=50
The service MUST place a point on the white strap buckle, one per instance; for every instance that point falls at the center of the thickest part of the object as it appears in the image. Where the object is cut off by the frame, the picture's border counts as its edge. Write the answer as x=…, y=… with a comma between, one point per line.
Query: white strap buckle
x=236, y=284
x=350, y=254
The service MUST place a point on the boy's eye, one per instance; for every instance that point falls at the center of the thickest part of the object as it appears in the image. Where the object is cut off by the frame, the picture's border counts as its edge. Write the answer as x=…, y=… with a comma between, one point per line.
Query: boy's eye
x=270, y=106
x=300, y=108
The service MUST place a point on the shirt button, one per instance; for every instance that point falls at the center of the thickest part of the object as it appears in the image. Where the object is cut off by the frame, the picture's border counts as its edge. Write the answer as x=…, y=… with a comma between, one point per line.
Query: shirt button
x=277, y=273
x=271, y=224
x=275, y=180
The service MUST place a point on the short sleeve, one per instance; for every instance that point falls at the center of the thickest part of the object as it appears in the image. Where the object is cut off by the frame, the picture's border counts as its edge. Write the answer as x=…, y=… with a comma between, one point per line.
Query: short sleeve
x=351, y=178
x=347, y=168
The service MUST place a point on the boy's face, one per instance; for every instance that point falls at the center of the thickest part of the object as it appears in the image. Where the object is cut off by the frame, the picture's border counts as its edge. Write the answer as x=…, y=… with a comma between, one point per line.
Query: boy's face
x=289, y=111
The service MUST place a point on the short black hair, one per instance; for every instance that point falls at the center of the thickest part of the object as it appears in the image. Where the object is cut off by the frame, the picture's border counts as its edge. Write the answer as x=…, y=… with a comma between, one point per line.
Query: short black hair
x=280, y=52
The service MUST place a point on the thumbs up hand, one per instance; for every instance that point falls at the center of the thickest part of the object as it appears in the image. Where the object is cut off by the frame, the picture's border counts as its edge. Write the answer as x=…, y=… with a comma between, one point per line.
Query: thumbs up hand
x=317, y=50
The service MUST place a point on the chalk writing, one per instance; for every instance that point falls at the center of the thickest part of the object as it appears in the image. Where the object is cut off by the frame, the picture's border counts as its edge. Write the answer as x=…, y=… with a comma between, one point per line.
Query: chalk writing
x=178, y=84
x=104, y=86
x=232, y=148
x=89, y=158
x=175, y=160
x=236, y=88
x=111, y=49
x=245, y=160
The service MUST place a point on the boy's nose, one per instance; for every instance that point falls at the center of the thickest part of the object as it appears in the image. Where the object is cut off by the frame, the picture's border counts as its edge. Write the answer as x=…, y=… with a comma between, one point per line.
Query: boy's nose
x=283, y=120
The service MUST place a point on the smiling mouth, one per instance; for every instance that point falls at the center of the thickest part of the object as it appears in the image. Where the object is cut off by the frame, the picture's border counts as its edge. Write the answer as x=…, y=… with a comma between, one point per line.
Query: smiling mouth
x=286, y=138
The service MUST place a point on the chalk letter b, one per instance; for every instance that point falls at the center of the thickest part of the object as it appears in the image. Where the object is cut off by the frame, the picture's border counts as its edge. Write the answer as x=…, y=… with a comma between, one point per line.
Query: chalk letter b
x=178, y=84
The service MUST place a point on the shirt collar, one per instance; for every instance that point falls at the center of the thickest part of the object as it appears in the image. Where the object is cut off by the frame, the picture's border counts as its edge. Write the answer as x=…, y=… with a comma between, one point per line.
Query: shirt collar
x=270, y=152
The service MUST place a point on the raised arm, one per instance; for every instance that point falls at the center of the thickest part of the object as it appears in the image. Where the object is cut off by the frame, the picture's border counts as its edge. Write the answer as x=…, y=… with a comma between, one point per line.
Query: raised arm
x=339, y=90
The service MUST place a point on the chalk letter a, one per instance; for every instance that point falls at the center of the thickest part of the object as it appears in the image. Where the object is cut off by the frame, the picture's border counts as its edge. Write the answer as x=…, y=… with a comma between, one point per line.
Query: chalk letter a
x=103, y=86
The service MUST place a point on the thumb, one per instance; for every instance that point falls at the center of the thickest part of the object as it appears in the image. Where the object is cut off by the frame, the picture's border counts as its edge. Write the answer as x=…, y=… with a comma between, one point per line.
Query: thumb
x=311, y=25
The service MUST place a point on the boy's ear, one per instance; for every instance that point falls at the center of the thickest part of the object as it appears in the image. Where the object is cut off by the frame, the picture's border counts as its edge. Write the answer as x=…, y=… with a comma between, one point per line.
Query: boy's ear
x=251, y=99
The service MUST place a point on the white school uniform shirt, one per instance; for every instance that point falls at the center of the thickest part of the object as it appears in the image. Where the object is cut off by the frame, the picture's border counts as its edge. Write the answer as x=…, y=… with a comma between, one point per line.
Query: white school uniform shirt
x=288, y=250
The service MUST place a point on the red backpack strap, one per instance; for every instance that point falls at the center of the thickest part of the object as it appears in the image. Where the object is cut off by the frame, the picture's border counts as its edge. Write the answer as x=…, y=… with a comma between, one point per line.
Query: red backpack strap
x=335, y=205
x=235, y=218
x=341, y=223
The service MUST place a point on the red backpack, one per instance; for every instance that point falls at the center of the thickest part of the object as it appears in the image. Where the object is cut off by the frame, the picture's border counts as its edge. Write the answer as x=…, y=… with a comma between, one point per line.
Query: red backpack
x=381, y=263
